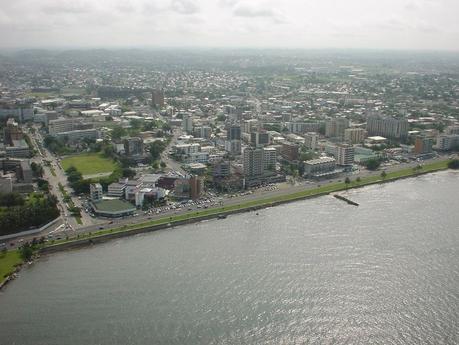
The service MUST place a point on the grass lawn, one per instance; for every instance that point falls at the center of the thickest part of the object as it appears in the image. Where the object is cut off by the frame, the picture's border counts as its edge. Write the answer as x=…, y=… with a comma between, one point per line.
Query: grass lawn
x=89, y=164
x=8, y=262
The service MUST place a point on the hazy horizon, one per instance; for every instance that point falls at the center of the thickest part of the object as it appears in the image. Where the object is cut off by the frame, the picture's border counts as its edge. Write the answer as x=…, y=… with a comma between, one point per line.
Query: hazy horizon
x=424, y=25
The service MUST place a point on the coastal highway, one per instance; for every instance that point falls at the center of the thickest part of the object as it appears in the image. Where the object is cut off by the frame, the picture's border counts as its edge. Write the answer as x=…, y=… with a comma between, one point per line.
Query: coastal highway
x=260, y=193
x=285, y=188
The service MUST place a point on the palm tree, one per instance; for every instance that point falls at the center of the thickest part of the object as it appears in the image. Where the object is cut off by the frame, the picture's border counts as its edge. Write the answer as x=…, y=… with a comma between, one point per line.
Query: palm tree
x=383, y=174
x=347, y=181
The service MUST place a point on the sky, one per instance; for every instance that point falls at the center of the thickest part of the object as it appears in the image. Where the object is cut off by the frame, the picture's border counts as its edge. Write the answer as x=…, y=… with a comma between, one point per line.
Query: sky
x=311, y=24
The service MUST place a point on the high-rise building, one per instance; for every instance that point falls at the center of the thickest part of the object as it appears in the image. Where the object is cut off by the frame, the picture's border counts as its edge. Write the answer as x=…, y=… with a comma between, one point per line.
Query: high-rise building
x=233, y=133
x=290, y=151
x=95, y=190
x=233, y=147
x=133, y=146
x=187, y=123
x=447, y=142
x=310, y=140
x=12, y=132
x=196, y=187
x=387, y=127
x=302, y=127
x=202, y=132
x=19, y=110
x=453, y=130
x=354, y=135
x=249, y=126
x=344, y=154
x=422, y=145
x=334, y=128
x=157, y=98
x=269, y=159
x=259, y=139
x=253, y=162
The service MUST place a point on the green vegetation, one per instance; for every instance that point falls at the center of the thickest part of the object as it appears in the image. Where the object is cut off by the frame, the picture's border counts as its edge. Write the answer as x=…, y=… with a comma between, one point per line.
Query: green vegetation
x=8, y=261
x=89, y=164
x=156, y=148
x=454, y=164
x=18, y=213
x=58, y=146
x=373, y=164
x=321, y=190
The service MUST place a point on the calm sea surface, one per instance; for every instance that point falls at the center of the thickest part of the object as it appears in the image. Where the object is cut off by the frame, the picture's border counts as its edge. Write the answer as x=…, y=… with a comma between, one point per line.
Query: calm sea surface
x=313, y=272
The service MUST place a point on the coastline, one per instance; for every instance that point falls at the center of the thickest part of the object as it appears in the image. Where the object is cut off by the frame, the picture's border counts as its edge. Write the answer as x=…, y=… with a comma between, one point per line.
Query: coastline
x=214, y=213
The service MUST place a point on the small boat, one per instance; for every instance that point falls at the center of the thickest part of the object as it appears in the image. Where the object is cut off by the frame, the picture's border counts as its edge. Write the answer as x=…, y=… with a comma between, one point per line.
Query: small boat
x=221, y=216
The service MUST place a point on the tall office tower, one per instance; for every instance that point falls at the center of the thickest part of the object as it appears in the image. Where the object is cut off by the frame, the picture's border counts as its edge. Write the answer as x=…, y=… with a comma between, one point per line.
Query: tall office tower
x=233, y=133
x=157, y=98
x=187, y=123
x=354, y=135
x=334, y=128
x=269, y=159
x=233, y=147
x=345, y=154
x=12, y=132
x=290, y=151
x=387, y=127
x=310, y=140
x=259, y=139
x=253, y=162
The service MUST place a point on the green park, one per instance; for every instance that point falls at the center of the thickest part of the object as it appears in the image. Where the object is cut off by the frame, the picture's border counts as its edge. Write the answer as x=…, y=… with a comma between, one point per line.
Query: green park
x=89, y=164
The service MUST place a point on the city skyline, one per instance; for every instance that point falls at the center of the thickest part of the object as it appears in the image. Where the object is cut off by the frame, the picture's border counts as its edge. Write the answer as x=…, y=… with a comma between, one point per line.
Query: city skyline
x=357, y=24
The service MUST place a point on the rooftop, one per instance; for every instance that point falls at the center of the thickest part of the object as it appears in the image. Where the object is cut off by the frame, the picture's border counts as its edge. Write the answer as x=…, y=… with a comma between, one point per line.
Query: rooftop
x=113, y=206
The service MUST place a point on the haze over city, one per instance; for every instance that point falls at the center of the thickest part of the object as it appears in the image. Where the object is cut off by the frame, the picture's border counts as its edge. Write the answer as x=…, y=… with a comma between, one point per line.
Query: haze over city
x=374, y=24
x=229, y=172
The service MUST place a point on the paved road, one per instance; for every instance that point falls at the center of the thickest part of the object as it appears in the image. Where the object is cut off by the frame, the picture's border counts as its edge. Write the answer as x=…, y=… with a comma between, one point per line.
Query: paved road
x=264, y=192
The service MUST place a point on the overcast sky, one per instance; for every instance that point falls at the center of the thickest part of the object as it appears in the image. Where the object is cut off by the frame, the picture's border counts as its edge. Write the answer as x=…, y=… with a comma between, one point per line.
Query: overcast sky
x=386, y=24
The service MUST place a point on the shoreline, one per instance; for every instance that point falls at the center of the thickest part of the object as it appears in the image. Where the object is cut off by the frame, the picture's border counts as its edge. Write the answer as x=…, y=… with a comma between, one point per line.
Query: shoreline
x=214, y=213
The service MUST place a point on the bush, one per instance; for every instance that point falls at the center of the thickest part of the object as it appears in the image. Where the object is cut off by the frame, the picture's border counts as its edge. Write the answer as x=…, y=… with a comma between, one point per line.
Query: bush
x=454, y=164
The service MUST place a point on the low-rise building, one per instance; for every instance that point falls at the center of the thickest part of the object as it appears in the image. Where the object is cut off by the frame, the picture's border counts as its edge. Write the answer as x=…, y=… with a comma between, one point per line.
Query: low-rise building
x=321, y=167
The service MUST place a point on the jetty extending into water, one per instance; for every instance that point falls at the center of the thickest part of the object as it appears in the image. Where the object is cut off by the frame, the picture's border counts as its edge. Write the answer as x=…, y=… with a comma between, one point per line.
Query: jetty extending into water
x=350, y=202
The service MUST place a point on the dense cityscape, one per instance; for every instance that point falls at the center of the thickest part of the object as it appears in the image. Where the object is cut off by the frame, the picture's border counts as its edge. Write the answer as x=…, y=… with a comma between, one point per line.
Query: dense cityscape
x=117, y=137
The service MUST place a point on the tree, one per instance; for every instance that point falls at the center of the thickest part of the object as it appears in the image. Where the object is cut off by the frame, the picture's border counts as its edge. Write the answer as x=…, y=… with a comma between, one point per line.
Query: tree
x=26, y=251
x=373, y=164
x=129, y=173
x=347, y=181
x=383, y=174
x=118, y=132
x=163, y=164
x=454, y=164
x=358, y=179
x=37, y=169
x=156, y=148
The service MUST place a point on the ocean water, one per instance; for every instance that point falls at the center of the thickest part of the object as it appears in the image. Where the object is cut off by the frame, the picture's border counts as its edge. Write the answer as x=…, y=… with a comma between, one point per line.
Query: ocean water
x=317, y=271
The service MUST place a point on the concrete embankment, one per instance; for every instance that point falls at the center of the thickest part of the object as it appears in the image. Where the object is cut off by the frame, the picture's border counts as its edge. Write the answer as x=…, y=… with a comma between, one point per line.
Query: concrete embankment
x=342, y=198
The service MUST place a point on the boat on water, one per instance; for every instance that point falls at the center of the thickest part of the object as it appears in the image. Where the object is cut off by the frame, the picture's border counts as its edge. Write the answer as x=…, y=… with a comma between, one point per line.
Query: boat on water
x=221, y=216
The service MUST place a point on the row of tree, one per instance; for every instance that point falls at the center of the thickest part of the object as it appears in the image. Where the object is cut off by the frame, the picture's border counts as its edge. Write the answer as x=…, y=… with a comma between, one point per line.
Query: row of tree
x=18, y=213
